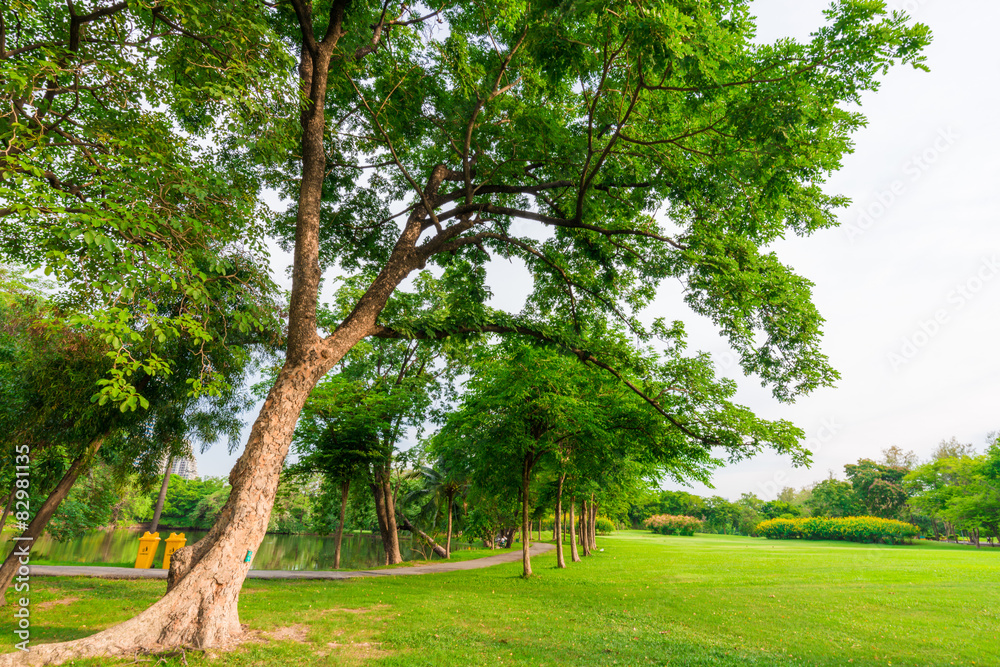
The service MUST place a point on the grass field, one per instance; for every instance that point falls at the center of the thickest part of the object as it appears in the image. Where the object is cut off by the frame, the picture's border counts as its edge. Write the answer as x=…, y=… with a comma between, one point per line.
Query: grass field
x=645, y=600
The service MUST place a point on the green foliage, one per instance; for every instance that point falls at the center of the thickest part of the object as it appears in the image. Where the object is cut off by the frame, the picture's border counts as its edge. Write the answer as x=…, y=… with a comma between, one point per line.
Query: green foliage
x=668, y=524
x=878, y=487
x=208, y=507
x=108, y=183
x=99, y=499
x=604, y=526
x=833, y=498
x=718, y=514
x=852, y=529
x=186, y=504
x=780, y=508
x=294, y=506
x=960, y=491
x=49, y=373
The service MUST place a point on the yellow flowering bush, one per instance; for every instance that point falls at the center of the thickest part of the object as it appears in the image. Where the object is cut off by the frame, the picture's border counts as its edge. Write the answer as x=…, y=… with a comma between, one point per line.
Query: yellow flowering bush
x=851, y=529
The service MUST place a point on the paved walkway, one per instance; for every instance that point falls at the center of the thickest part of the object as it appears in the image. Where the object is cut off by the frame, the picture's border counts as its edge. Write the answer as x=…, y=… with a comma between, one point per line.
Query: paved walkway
x=442, y=566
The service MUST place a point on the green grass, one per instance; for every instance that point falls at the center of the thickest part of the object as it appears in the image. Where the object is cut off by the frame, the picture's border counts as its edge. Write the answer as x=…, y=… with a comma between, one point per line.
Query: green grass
x=646, y=600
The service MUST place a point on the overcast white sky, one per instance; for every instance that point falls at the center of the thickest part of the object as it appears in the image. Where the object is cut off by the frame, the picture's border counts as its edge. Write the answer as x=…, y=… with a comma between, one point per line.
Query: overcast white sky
x=908, y=284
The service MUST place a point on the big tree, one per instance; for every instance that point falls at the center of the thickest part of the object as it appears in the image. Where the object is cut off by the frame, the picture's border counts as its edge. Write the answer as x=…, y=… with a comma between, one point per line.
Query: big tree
x=606, y=146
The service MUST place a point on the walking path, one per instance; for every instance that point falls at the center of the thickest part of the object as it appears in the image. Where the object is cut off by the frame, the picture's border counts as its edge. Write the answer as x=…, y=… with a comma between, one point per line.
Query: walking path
x=442, y=566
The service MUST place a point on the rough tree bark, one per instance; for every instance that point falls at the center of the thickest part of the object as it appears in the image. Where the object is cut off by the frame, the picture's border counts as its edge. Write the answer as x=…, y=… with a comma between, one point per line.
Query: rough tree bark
x=162, y=498
x=22, y=549
x=574, y=555
x=557, y=527
x=584, y=525
x=345, y=487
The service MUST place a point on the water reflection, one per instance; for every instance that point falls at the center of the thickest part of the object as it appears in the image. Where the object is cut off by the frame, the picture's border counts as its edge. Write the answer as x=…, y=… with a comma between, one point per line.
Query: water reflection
x=277, y=552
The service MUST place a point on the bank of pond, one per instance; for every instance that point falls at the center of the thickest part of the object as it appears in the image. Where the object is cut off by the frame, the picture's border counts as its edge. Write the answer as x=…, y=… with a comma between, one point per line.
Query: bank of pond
x=277, y=552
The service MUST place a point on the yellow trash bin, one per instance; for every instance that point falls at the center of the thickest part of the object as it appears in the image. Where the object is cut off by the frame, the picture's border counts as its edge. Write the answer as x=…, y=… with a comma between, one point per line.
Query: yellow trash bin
x=147, y=549
x=174, y=542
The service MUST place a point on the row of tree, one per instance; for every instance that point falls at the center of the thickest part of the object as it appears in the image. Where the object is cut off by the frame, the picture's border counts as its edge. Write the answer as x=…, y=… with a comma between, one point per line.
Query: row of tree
x=956, y=490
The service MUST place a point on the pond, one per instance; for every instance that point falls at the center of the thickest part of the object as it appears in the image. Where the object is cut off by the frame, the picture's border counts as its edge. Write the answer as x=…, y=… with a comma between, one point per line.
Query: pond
x=276, y=552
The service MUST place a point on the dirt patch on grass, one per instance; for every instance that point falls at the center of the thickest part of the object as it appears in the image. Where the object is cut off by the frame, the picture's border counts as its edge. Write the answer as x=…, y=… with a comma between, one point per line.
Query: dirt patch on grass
x=295, y=633
x=54, y=603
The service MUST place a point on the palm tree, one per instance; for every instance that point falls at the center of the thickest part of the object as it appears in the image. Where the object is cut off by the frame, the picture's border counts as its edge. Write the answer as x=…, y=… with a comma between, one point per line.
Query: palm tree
x=442, y=482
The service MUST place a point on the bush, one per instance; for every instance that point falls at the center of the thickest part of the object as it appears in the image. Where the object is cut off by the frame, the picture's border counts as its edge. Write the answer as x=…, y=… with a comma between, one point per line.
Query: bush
x=604, y=526
x=851, y=529
x=669, y=524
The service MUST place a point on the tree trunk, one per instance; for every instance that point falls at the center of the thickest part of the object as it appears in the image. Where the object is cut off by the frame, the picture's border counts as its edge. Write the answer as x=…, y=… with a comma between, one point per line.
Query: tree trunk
x=392, y=554
x=345, y=487
x=574, y=555
x=447, y=548
x=6, y=509
x=383, y=529
x=438, y=549
x=557, y=528
x=592, y=530
x=162, y=498
x=584, y=526
x=20, y=554
x=525, y=522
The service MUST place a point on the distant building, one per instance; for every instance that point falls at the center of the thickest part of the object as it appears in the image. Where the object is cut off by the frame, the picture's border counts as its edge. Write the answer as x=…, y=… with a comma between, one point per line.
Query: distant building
x=186, y=467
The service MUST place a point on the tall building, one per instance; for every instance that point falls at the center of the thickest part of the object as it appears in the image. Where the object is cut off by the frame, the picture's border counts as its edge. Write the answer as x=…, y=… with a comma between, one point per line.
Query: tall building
x=185, y=466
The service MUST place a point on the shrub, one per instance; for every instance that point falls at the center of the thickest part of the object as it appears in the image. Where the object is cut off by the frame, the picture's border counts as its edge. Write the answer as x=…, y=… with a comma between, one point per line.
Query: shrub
x=851, y=529
x=669, y=524
x=604, y=526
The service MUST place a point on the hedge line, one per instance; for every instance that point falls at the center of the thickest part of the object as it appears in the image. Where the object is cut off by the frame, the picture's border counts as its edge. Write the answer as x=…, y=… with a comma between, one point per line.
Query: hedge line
x=851, y=528
x=669, y=524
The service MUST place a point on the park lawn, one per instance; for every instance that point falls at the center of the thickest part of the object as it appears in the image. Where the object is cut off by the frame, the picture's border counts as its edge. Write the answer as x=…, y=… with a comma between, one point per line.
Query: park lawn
x=646, y=599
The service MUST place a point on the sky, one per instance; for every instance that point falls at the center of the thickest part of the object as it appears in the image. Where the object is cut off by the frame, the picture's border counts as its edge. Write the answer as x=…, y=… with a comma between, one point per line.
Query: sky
x=909, y=282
